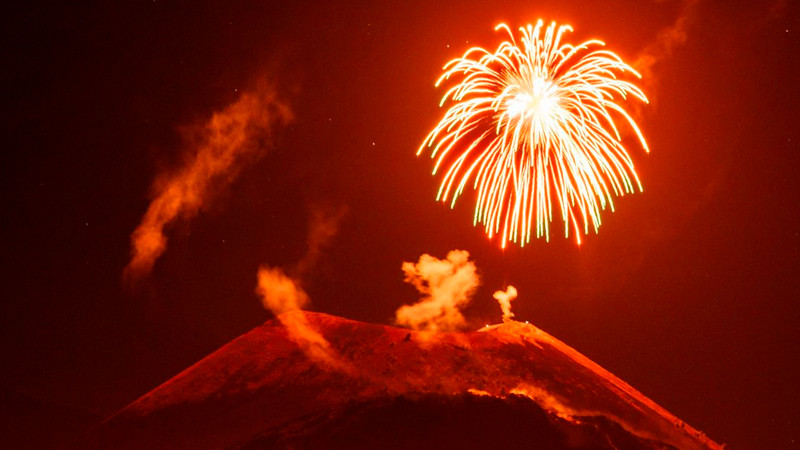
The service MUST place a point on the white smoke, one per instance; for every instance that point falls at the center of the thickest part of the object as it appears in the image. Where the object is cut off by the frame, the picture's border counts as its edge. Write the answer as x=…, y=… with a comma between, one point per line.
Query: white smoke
x=446, y=285
x=504, y=298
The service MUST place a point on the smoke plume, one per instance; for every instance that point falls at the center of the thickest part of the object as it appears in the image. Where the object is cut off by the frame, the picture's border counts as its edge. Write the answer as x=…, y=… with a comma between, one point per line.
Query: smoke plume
x=278, y=292
x=285, y=298
x=446, y=285
x=667, y=40
x=504, y=298
x=220, y=147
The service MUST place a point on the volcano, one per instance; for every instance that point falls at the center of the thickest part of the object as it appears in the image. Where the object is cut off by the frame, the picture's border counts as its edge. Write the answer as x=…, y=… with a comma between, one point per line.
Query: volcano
x=505, y=386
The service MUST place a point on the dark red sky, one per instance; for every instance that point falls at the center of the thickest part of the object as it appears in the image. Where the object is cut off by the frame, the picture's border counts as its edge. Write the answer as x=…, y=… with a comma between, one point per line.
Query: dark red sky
x=690, y=292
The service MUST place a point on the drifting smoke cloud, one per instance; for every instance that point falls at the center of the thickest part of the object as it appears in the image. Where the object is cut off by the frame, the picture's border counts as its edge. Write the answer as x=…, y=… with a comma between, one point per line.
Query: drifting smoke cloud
x=668, y=39
x=446, y=285
x=222, y=145
x=284, y=296
x=504, y=298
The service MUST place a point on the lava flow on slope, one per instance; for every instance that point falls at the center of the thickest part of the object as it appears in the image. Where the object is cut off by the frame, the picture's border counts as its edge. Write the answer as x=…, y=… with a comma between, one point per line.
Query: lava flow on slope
x=509, y=385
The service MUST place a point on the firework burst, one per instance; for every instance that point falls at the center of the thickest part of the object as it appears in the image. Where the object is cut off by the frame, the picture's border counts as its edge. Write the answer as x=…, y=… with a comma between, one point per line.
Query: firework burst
x=532, y=125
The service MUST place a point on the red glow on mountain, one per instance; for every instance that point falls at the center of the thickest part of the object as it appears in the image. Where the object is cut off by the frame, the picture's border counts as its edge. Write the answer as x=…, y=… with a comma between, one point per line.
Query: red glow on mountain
x=509, y=385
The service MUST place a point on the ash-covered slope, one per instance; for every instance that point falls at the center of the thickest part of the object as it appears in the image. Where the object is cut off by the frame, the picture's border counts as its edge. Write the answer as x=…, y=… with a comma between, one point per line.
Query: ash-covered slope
x=377, y=386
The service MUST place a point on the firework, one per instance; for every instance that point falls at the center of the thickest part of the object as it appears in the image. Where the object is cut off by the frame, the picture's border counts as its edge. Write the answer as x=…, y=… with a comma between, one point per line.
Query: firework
x=531, y=125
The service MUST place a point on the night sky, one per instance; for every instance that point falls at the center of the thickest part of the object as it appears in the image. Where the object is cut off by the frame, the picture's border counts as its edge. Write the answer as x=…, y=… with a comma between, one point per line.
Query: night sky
x=690, y=292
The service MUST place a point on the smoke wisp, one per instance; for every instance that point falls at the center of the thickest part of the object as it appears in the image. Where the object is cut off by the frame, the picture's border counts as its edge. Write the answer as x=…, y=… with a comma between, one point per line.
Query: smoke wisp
x=446, y=285
x=322, y=228
x=284, y=296
x=667, y=40
x=221, y=146
x=504, y=298
x=279, y=293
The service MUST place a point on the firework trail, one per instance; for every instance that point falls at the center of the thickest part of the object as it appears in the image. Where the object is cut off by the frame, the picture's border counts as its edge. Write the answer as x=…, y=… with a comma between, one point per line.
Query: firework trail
x=534, y=124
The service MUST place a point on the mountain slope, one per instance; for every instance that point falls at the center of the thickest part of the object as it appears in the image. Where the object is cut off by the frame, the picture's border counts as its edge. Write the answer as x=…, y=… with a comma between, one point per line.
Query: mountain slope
x=341, y=383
